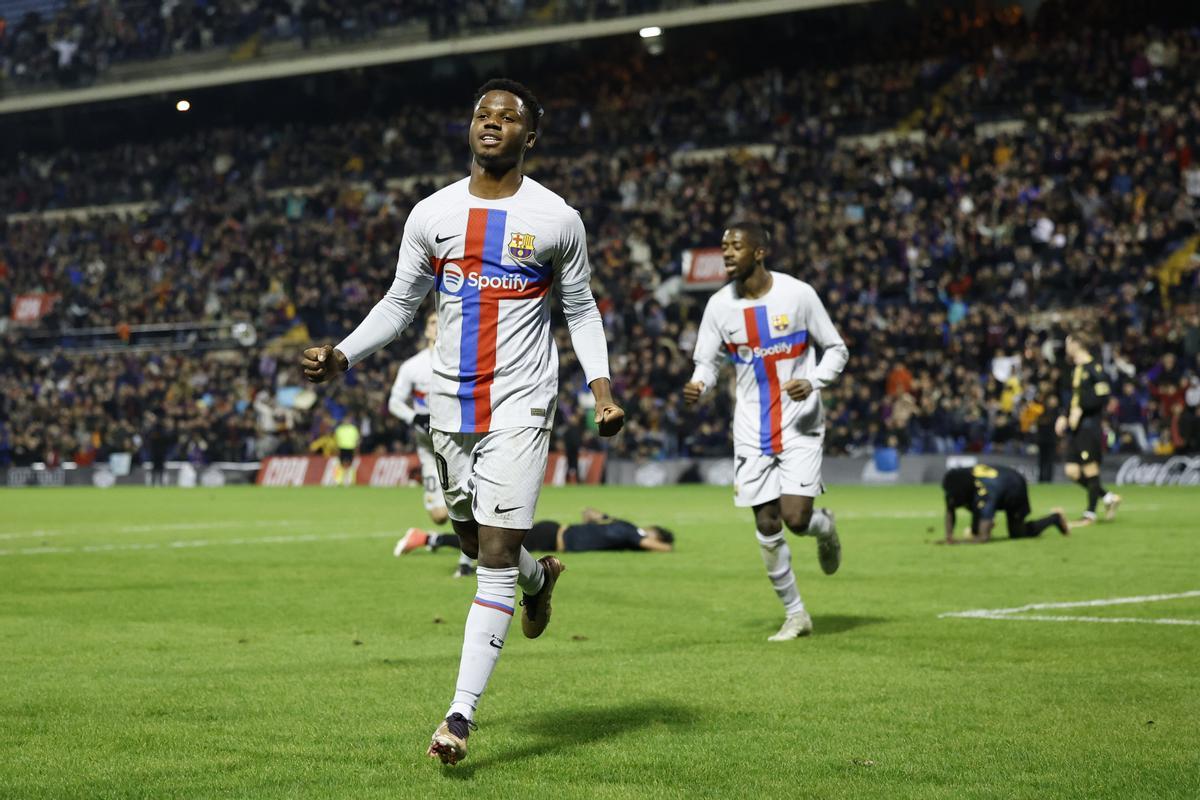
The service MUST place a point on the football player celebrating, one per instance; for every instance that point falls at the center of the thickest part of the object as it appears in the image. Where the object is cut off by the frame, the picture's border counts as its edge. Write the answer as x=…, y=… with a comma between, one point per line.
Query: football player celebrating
x=768, y=323
x=490, y=247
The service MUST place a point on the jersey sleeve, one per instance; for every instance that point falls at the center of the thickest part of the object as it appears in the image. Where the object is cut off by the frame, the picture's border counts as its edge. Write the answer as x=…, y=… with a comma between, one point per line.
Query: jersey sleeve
x=401, y=393
x=392, y=314
x=821, y=331
x=572, y=265
x=579, y=305
x=1094, y=390
x=709, y=347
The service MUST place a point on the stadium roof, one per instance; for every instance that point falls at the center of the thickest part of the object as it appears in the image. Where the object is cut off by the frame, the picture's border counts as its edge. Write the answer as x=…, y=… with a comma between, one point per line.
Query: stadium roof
x=332, y=61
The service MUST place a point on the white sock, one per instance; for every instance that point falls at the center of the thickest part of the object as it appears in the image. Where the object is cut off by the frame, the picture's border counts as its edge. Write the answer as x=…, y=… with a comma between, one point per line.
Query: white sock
x=778, y=559
x=487, y=626
x=464, y=560
x=820, y=523
x=532, y=573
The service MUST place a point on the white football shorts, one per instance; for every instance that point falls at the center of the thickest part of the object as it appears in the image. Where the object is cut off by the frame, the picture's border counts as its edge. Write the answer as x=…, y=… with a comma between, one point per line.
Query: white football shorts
x=434, y=495
x=759, y=478
x=493, y=478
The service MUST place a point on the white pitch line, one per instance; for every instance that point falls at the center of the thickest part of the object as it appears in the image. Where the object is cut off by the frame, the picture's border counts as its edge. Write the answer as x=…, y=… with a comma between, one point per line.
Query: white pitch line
x=191, y=543
x=1018, y=613
x=170, y=526
x=1049, y=618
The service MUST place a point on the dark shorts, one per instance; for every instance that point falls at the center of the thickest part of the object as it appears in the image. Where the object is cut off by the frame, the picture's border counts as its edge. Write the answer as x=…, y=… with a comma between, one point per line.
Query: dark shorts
x=1086, y=446
x=346, y=457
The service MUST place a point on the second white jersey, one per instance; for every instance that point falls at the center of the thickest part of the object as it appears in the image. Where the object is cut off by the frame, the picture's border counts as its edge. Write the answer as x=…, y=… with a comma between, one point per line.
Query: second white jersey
x=493, y=262
x=410, y=391
x=770, y=341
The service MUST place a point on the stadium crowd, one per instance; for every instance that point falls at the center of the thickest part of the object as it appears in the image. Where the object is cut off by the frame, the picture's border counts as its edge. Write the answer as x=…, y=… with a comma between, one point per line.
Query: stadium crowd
x=952, y=259
x=70, y=43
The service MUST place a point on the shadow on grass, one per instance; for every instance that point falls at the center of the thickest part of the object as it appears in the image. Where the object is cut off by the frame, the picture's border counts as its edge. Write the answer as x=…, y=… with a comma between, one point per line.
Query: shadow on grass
x=840, y=623
x=566, y=728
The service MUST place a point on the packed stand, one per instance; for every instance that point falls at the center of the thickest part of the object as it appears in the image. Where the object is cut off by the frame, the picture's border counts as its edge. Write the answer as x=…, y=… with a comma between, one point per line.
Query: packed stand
x=74, y=43
x=943, y=262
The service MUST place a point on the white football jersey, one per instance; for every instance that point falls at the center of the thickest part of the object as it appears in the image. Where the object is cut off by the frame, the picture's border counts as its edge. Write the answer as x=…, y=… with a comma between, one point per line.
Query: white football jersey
x=410, y=391
x=770, y=342
x=491, y=264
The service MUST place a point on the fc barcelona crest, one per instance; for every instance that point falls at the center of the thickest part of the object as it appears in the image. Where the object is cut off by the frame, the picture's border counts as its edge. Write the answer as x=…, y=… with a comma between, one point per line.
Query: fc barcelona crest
x=520, y=246
x=780, y=322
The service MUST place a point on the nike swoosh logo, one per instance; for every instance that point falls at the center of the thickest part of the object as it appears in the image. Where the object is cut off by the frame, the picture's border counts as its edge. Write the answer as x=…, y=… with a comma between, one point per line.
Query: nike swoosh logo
x=439, y=239
x=500, y=510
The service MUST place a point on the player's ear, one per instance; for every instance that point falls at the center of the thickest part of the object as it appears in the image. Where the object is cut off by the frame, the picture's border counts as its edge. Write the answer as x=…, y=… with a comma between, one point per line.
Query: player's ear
x=530, y=138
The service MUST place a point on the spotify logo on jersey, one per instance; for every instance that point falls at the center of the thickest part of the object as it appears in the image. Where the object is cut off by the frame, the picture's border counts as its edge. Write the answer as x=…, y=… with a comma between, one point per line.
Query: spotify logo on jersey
x=452, y=278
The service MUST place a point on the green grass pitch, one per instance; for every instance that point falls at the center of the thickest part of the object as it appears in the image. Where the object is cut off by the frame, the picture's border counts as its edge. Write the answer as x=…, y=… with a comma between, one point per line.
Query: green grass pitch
x=264, y=643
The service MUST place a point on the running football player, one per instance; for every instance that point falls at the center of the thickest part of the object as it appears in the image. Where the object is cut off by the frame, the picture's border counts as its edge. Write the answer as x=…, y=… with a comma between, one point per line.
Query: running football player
x=490, y=247
x=769, y=325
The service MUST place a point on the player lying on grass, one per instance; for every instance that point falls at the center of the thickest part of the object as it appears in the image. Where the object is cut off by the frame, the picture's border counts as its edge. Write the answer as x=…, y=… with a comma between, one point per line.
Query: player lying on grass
x=985, y=491
x=771, y=325
x=597, y=531
x=409, y=401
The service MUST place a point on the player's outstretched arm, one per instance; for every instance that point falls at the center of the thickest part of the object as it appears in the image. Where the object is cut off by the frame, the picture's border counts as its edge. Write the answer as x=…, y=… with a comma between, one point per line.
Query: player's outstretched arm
x=707, y=357
x=393, y=313
x=834, y=353
x=586, y=326
x=398, y=399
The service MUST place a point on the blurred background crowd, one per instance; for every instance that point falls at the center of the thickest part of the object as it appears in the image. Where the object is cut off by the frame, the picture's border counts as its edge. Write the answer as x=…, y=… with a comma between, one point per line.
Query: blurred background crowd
x=1035, y=174
x=77, y=42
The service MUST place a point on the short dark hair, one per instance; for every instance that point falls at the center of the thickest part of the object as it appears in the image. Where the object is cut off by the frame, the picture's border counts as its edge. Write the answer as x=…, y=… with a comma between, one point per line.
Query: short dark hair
x=533, y=109
x=663, y=534
x=756, y=232
x=959, y=486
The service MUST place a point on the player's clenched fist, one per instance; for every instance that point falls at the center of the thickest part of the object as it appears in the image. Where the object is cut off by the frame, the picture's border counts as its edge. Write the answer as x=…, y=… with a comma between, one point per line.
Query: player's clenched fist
x=322, y=363
x=798, y=390
x=692, y=392
x=610, y=417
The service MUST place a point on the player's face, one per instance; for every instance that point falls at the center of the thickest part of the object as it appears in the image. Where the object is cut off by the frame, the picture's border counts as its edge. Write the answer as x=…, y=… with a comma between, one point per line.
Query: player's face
x=431, y=330
x=499, y=133
x=740, y=253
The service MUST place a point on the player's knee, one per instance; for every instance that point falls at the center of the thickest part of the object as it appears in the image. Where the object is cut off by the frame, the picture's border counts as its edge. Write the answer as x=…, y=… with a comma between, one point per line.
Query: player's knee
x=1071, y=471
x=797, y=520
x=768, y=524
x=1091, y=470
x=469, y=547
x=497, y=553
x=439, y=516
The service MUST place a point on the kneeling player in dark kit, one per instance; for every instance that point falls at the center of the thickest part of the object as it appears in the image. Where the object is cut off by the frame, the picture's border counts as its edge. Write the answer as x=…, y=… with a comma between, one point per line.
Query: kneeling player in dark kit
x=596, y=531
x=987, y=490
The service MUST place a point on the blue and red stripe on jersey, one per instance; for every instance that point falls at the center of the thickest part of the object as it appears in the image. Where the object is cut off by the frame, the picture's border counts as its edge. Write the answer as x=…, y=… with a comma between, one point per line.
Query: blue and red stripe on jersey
x=418, y=399
x=483, y=253
x=766, y=375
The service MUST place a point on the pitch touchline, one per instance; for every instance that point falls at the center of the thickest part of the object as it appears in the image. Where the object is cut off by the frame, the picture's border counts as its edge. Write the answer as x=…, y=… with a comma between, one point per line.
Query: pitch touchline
x=1018, y=612
x=184, y=544
x=1049, y=618
x=171, y=526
